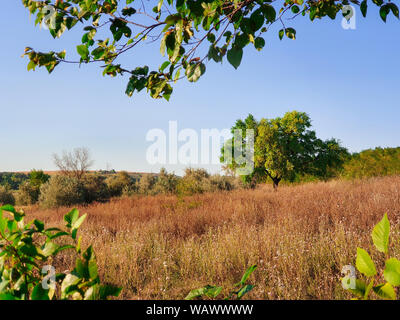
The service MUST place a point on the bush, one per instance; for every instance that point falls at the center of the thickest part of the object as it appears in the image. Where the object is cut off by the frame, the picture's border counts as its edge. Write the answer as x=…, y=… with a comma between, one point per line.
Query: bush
x=166, y=183
x=95, y=189
x=146, y=184
x=61, y=191
x=27, y=194
x=194, y=181
x=6, y=197
x=116, y=184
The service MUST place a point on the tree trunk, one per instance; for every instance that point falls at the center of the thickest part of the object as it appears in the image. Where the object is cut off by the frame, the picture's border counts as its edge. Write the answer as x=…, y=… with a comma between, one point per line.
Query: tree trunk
x=276, y=183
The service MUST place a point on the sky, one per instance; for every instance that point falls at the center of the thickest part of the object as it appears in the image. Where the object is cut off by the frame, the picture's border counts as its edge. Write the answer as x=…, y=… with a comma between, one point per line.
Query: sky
x=346, y=80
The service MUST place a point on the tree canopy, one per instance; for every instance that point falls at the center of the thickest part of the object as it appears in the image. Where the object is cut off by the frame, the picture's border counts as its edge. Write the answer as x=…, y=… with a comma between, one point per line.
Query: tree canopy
x=189, y=32
x=285, y=147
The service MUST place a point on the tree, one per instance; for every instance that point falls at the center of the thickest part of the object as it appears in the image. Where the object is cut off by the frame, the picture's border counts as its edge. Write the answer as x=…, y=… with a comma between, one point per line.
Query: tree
x=285, y=148
x=74, y=164
x=37, y=178
x=189, y=31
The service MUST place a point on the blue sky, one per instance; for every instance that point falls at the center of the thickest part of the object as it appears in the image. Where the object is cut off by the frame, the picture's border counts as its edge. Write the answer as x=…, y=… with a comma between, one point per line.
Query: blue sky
x=346, y=80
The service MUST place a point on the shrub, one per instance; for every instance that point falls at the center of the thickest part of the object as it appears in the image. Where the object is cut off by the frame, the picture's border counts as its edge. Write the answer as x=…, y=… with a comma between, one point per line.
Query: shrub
x=194, y=181
x=27, y=194
x=146, y=184
x=165, y=182
x=61, y=191
x=22, y=262
x=95, y=189
x=6, y=197
x=117, y=183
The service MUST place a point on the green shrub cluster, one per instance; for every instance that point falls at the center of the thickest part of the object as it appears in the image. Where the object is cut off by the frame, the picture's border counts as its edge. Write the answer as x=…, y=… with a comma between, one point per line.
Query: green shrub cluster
x=26, y=251
x=6, y=196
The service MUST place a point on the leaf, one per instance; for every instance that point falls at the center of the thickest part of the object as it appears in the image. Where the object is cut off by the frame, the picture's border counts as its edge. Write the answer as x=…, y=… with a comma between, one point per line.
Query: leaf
x=71, y=217
x=364, y=7
x=208, y=290
x=49, y=249
x=281, y=34
x=247, y=274
x=392, y=272
x=385, y=291
x=194, y=71
x=259, y=43
x=244, y=290
x=364, y=263
x=83, y=51
x=384, y=11
x=69, y=281
x=78, y=222
x=38, y=293
x=235, y=56
x=380, y=234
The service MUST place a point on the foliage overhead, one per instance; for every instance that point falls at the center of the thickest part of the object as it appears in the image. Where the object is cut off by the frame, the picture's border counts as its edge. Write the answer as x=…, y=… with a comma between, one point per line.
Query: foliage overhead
x=286, y=147
x=189, y=33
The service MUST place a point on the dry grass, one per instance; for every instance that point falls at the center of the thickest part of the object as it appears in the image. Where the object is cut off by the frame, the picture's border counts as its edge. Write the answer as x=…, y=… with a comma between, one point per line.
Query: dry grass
x=300, y=237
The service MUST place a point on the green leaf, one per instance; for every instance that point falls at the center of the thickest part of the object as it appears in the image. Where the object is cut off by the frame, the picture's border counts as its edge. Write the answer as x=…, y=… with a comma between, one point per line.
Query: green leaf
x=247, y=274
x=38, y=293
x=380, y=234
x=78, y=222
x=83, y=51
x=194, y=71
x=281, y=34
x=208, y=290
x=259, y=43
x=71, y=217
x=364, y=7
x=384, y=11
x=392, y=272
x=364, y=263
x=385, y=291
x=244, y=290
x=235, y=56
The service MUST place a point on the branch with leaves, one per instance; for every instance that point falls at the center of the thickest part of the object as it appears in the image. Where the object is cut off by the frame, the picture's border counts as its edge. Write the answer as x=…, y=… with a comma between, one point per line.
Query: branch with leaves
x=190, y=33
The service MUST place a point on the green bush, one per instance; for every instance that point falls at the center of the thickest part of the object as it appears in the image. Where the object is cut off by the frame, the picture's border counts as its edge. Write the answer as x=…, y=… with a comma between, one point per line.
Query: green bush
x=27, y=250
x=146, y=184
x=61, y=191
x=117, y=183
x=6, y=197
x=27, y=194
x=95, y=188
x=165, y=183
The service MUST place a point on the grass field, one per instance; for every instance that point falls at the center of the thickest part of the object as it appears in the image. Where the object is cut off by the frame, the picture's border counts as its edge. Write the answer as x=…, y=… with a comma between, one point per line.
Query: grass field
x=161, y=247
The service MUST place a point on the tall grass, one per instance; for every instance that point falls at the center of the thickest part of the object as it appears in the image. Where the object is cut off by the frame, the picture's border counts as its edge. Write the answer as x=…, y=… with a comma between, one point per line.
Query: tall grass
x=161, y=247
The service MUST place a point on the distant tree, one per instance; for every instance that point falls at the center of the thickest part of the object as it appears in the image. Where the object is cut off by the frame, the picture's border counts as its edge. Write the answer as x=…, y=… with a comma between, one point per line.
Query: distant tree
x=286, y=147
x=118, y=182
x=38, y=177
x=74, y=164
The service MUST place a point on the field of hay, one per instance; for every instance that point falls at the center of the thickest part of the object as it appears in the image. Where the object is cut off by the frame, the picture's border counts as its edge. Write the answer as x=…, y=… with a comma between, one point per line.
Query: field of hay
x=161, y=247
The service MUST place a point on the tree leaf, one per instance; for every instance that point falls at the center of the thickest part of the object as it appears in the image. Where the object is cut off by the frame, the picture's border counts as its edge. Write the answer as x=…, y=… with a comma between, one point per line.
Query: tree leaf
x=364, y=263
x=235, y=56
x=380, y=234
x=392, y=272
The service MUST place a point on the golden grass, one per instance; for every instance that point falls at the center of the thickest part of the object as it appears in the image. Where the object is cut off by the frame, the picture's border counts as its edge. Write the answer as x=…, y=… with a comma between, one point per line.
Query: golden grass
x=160, y=247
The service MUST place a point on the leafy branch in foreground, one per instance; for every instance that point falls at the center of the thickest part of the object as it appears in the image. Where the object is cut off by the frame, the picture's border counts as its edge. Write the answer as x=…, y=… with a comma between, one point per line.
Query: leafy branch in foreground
x=374, y=284
x=189, y=32
x=26, y=251
x=211, y=291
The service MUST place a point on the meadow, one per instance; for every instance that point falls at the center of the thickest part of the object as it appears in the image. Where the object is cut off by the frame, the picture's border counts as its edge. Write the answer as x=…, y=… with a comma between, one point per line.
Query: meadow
x=300, y=237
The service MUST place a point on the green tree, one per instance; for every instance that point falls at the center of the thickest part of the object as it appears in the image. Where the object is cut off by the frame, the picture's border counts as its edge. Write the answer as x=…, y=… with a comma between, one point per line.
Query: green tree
x=37, y=178
x=286, y=147
x=188, y=32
